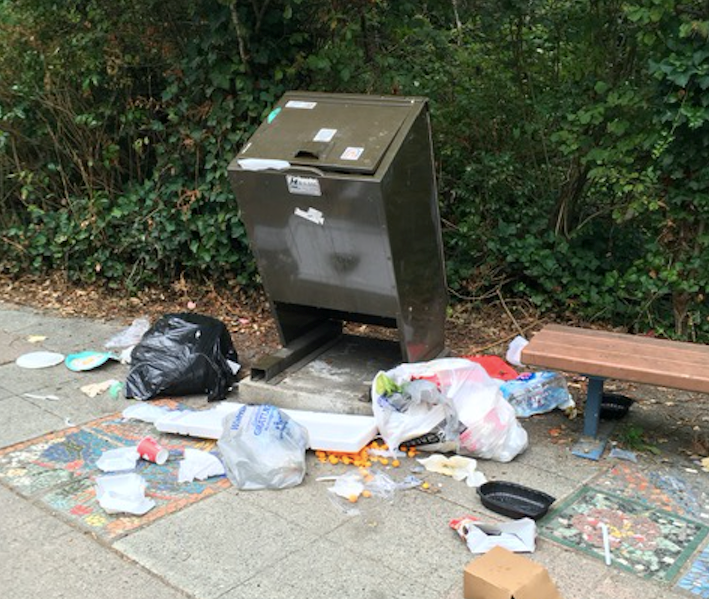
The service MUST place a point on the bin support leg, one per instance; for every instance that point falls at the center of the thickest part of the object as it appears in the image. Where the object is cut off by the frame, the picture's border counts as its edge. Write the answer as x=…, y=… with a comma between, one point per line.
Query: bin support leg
x=593, y=406
x=308, y=346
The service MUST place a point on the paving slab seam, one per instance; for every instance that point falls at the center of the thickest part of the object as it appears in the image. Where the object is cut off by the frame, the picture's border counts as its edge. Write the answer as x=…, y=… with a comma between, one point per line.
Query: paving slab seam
x=266, y=567
x=147, y=571
x=75, y=529
x=431, y=592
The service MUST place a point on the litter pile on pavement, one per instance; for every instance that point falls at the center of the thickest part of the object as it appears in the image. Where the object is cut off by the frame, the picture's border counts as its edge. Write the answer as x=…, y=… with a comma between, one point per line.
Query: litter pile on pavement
x=453, y=410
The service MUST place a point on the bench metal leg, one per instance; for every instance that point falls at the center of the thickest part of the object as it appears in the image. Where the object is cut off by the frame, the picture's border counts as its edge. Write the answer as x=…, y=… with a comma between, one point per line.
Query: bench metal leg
x=593, y=441
x=593, y=406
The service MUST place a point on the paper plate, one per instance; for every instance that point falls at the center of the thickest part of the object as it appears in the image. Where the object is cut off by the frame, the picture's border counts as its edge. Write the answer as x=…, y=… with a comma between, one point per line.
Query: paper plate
x=39, y=359
x=86, y=360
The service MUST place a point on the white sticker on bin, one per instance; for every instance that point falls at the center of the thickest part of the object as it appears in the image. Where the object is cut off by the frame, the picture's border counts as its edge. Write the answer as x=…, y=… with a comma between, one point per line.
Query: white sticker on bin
x=351, y=153
x=303, y=186
x=300, y=104
x=312, y=214
x=325, y=135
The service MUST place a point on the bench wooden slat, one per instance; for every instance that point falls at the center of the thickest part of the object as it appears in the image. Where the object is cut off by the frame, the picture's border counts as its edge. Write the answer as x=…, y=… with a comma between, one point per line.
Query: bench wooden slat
x=667, y=372
x=606, y=365
x=638, y=340
x=652, y=350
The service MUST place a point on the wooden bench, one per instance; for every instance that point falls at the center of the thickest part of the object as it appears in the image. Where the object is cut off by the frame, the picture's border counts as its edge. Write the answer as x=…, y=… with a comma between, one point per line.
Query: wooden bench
x=600, y=355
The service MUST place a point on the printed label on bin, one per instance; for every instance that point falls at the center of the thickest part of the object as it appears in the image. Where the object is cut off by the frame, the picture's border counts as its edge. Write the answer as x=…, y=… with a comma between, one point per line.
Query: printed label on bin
x=300, y=104
x=351, y=153
x=312, y=214
x=303, y=186
x=325, y=135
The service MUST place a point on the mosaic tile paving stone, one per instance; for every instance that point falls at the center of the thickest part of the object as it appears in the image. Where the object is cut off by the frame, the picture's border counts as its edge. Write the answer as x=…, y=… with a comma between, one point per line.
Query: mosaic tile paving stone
x=60, y=470
x=648, y=541
x=670, y=488
x=696, y=580
x=35, y=466
x=78, y=502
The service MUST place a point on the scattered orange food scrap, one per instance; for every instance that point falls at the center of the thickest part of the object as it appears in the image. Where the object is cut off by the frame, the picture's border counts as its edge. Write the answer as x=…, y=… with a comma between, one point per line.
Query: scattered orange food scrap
x=362, y=459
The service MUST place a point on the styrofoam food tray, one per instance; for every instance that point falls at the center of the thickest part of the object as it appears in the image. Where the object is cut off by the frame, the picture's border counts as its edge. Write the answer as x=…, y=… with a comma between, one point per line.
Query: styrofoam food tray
x=327, y=431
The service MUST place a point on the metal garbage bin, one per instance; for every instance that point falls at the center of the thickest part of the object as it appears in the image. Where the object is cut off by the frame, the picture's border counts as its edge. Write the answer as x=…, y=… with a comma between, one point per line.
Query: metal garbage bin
x=338, y=196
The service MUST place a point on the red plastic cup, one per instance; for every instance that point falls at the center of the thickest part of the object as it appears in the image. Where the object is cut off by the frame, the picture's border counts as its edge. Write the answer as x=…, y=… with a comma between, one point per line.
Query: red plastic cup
x=150, y=450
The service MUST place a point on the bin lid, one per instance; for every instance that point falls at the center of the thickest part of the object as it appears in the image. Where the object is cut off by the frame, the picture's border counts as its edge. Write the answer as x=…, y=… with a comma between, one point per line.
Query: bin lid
x=338, y=133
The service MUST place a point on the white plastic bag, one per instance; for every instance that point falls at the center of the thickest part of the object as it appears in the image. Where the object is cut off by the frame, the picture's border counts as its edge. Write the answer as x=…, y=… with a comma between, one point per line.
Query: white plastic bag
x=263, y=448
x=491, y=428
x=410, y=407
x=485, y=424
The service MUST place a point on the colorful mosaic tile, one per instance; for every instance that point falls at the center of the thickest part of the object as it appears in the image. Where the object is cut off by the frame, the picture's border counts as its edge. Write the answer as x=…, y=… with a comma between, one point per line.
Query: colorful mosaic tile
x=670, y=488
x=77, y=500
x=58, y=458
x=696, y=580
x=648, y=541
x=60, y=470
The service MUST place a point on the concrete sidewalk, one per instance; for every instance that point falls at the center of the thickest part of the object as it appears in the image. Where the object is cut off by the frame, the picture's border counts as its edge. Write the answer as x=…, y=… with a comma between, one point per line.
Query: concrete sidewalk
x=271, y=544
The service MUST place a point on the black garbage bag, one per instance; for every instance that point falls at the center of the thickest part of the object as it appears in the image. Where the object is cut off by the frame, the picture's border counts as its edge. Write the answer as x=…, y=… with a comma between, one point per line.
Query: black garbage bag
x=183, y=354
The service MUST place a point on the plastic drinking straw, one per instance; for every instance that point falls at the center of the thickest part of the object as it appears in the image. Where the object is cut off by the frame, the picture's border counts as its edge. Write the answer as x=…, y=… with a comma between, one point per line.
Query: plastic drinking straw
x=606, y=543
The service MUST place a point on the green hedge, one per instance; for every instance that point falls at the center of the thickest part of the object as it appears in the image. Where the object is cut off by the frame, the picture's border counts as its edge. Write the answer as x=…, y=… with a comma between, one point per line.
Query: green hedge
x=572, y=138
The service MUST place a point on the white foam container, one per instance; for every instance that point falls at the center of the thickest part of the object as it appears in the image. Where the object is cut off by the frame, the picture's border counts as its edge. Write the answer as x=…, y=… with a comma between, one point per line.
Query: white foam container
x=327, y=431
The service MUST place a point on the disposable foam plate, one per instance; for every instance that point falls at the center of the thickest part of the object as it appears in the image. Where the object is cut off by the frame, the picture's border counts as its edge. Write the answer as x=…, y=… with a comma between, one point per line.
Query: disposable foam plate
x=327, y=431
x=86, y=360
x=39, y=359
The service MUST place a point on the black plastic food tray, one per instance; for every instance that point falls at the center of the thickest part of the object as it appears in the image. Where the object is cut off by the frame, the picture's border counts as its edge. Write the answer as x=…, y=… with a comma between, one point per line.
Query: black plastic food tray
x=513, y=500
x=614, y=406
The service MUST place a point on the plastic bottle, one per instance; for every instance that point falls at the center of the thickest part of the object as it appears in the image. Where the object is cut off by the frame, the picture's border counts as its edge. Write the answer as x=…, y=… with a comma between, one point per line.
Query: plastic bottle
x=537, y=392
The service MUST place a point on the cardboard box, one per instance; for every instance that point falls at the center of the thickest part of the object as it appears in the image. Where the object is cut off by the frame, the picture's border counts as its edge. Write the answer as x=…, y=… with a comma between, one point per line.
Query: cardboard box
x=501, y=574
